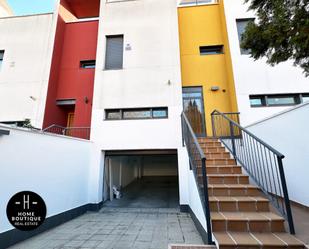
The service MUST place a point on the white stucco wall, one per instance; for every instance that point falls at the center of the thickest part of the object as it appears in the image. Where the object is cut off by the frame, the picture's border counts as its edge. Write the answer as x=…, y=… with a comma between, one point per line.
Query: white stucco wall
x=57, y=168
x=150, y=27
x=288, y=133
x=28, y=45
x=256, y=77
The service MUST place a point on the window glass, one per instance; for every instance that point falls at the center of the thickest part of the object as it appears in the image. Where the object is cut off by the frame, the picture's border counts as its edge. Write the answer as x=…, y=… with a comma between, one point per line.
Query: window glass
x=1, y=57
x=256, y=101
x=136, y=114
x=281, y=100
x=114, y=52
x=159, y=113
x=305, y=97
x=209, y=50
x=87, y=64
x=241, y=28
x=113, y=114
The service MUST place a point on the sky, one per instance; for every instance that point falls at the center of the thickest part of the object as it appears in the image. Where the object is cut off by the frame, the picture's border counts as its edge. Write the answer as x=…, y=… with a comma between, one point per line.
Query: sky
x=28, y=7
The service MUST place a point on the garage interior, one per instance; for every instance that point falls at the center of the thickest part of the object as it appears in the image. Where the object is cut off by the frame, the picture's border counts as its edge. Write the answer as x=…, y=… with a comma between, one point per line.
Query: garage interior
x=146, y=179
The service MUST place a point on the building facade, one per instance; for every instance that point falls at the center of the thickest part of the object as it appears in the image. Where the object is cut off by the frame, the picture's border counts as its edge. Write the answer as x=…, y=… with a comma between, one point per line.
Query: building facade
x=120, y=73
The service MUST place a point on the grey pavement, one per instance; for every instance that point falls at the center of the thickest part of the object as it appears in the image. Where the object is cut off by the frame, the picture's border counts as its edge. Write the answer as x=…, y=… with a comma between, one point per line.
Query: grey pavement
x=119, y=228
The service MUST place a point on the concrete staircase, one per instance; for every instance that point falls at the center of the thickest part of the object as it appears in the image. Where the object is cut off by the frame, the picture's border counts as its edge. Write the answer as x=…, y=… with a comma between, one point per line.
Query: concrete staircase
x=240, y=214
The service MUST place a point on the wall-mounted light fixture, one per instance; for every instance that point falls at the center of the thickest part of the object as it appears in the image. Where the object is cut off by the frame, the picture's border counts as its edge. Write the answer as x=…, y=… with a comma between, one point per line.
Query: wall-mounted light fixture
x=214, y=88
x=86, y=100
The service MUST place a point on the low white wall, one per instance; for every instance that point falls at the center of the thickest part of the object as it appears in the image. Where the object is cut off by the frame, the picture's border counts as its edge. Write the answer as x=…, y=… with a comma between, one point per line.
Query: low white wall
x=57, y=168
x=288, y=133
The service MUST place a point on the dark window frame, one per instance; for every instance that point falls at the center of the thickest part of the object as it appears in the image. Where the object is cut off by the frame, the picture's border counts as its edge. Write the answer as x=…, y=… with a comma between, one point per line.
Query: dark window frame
x=242, y=51
x=107, y=68
x=211, y=50
x=84, y=64
x=298, y=99
x=122, y=110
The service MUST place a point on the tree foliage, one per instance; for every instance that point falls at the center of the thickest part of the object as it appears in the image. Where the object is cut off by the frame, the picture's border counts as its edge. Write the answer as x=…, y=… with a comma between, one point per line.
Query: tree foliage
x=280, y=32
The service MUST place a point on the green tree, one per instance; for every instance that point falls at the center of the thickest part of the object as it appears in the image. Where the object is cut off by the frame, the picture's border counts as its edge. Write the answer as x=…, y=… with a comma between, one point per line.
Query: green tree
x=280, y=32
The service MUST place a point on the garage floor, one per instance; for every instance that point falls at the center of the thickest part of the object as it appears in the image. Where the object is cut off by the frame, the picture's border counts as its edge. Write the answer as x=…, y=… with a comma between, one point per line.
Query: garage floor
x=149, y=192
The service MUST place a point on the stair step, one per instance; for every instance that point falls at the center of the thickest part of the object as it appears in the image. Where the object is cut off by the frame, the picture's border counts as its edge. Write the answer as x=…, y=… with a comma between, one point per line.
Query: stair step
x=238, y=204
x=247, y=222
x=218, y=155
x=257, y=240
x=212, y=149
x=227, y=179
x=222, y=161
x=187, y=246
x=222, y=170
x=210, y=144
x=207, y=139
x=233, y=190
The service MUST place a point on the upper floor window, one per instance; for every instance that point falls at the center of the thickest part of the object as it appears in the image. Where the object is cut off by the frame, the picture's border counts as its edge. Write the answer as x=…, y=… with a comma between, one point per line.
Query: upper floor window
x=278, y=99
x=114, y=52
x=1, y=57
x=241, y=28
x=87, y=64
x=209, y=50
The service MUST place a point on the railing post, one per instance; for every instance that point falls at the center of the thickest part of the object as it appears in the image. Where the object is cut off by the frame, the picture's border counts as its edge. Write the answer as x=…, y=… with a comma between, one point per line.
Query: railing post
x=214, y=134
x=286, y=196
x=205, y=187
x=232, y=138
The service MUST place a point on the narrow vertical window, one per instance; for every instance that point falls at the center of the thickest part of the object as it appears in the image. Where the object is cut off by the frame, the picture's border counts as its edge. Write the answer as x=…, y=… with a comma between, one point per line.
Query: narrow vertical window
x=114, y=52
x=1, y=58
x=241, y=28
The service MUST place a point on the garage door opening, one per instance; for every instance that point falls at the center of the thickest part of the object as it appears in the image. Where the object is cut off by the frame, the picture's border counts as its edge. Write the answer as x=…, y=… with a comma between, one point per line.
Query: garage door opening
x=146, y=180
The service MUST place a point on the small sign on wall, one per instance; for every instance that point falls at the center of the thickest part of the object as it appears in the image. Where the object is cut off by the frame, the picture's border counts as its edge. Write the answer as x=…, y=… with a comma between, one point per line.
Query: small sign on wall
x=128, y=47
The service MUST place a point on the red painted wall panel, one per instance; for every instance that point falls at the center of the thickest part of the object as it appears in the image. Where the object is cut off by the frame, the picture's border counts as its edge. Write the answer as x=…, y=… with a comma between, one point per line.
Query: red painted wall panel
x=74, y=42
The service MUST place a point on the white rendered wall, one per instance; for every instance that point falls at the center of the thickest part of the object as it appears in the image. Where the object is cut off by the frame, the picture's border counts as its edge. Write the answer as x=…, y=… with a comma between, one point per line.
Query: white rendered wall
x=288, y=133
x=57, y=168
x=150, y=27
x=256, y=77
x=28, y=45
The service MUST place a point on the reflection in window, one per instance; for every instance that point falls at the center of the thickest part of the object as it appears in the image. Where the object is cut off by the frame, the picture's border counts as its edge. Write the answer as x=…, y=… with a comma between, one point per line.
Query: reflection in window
x=136, y=114
x=1, y=57
x=87, y=64
x=241, y=28
x=281, y=100
x=257, y=101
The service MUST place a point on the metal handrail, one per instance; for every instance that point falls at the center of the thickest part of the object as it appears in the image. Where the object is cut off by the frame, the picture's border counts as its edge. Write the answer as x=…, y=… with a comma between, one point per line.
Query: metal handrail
x=79, y=132
x=216, y=112
x=197, y=158
x=262, y=162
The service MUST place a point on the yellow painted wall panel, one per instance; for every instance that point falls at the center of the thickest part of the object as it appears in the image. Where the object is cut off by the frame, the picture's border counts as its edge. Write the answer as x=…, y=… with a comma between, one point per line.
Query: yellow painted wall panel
x=205, y=26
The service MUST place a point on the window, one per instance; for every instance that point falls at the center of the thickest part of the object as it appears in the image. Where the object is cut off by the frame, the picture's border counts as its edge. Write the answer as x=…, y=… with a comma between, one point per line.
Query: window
x=257, y=101
x=1, y=57
x=241, y=28
x=282, y=100
x=210, y=50
x=305, y=98
x=136, y=113
x=87, y=64
x=278, y=99
x=114, y=52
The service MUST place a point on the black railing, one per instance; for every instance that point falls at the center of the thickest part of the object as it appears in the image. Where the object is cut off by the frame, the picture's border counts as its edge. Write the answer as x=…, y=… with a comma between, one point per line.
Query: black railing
x=198, y=165
x=78, y=132
x=262, y=162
